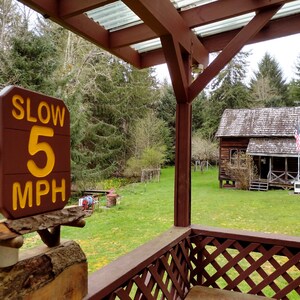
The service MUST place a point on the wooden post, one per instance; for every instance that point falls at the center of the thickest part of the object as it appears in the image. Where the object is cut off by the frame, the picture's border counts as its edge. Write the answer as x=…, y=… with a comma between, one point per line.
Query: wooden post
x=182, y=201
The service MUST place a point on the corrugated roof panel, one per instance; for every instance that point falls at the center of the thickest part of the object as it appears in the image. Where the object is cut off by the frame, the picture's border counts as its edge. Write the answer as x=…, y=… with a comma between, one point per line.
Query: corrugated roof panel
x=117, y=15
x=185, y=4
x=240, y=21
x=225, y=25
x=114, y=16
x=147, y=45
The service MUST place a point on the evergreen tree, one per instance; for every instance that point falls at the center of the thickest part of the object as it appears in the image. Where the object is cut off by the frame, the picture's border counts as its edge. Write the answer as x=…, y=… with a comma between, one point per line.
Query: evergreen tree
x=294, y=86
x=197, y=112
x=269, y=81
x=9, y=22
x=165, y=109
x=228, y=91
x=30, y=62
x=110, y=96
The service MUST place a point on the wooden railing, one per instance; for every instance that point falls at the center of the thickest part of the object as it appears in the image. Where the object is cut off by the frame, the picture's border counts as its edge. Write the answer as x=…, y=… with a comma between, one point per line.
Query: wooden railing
x=253, y=263
x=168, y=266
x=282, y=177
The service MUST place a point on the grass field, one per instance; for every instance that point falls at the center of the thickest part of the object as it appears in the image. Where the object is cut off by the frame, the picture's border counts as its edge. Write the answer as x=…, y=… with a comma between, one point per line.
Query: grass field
x=146, y=210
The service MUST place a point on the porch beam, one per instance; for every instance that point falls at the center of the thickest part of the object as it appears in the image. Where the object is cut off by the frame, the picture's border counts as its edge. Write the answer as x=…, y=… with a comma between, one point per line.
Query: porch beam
x=178, y=67
x=70, y=8
x=202, y=15
x=222, y=10
x=274, y=29
x=232, y=48
x=162, y=17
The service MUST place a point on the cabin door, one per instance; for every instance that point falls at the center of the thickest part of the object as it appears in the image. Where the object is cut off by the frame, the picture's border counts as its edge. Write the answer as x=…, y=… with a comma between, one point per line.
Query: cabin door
x=264, y=167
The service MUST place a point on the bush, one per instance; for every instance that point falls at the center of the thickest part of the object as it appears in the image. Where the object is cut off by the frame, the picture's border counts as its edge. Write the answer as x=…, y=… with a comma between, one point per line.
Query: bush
x=242, y=170
x=151, y=159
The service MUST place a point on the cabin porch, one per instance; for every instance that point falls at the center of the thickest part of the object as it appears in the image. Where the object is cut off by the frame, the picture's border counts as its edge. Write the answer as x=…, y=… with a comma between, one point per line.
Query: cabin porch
x=277, y=171
x=168, y=266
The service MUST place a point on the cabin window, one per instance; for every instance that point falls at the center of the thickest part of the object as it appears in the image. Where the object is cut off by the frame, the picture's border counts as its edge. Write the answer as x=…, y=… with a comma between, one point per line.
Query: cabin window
x=234, y=157
x=238, y=157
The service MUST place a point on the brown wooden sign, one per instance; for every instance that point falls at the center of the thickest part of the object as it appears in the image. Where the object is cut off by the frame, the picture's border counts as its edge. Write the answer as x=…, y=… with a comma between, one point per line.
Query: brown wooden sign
x=35, y=153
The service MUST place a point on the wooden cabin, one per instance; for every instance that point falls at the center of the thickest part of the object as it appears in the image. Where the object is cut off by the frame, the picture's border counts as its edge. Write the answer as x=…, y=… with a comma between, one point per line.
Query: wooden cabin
x=182, y=34
x=267, y=134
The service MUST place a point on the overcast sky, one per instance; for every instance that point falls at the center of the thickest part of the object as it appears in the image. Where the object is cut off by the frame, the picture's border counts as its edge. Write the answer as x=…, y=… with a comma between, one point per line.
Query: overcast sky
x=284, y=50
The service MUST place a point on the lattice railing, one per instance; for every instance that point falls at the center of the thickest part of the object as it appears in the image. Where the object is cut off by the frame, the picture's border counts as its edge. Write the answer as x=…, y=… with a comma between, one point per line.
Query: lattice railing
x=157, y=270
x=168, y=266
x=165, y=278
x=246, y=263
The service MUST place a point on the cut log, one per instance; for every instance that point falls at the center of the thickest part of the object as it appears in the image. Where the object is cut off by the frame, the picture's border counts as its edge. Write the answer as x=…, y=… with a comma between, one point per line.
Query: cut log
x=69, y=215
x=46, y=273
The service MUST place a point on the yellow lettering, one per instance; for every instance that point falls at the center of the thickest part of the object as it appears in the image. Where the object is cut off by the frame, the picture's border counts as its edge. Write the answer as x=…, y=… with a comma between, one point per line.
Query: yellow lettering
x=29, y=117
x=56, y=189
x=17, y=195
x=58, y=113
x=35, y=146
x=18, y=111
x=46, y=119
x=41, y=191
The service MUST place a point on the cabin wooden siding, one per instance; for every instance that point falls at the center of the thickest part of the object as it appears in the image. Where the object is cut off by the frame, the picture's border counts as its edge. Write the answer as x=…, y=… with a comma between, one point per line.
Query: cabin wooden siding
x=226, y=145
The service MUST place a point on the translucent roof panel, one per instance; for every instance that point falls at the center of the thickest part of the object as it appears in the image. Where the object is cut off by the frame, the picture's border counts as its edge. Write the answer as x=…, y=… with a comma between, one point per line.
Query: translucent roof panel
x=114, y=16
x=148, y=45
x=185, y=4
x=117, y=15
x=240, y=21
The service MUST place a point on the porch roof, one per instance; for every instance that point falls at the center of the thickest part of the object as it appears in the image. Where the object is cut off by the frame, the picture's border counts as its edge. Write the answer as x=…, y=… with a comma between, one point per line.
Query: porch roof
x=180, y=33
x=272, y=147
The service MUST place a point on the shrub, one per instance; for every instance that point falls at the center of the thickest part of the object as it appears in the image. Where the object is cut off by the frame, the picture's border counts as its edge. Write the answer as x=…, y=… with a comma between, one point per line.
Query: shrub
x=241, y=169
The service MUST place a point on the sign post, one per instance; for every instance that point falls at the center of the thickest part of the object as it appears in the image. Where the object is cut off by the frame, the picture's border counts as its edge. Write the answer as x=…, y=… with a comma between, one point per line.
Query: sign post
x=35, y=153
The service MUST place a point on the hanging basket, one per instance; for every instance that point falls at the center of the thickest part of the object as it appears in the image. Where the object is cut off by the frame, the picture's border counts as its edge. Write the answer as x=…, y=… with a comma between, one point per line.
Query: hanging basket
x=111, y=200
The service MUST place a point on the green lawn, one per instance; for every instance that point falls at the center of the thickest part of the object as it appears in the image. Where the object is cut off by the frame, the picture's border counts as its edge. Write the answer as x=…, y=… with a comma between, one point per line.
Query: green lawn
x=146, y=210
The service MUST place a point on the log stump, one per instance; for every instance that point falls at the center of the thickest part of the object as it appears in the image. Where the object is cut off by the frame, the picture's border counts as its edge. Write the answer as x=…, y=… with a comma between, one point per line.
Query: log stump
x=46, y=273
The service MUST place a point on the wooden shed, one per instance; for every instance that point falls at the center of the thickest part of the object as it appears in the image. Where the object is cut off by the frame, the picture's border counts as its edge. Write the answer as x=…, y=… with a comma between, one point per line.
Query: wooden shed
x=267, y=134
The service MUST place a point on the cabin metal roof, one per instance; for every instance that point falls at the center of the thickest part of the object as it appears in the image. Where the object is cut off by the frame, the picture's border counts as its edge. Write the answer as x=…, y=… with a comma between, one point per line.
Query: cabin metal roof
x=272, y=147
x=260, y=122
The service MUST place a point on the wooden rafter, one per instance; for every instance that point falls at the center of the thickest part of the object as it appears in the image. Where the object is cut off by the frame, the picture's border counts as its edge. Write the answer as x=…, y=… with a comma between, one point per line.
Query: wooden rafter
x=153, y=13
x=233, y=47
x=70, y=14
x=70, y=8
x=199, y=16
x=274, y=29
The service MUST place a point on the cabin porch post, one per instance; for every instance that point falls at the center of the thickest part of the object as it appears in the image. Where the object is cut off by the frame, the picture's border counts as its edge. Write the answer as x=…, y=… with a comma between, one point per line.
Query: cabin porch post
x=182, y=207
